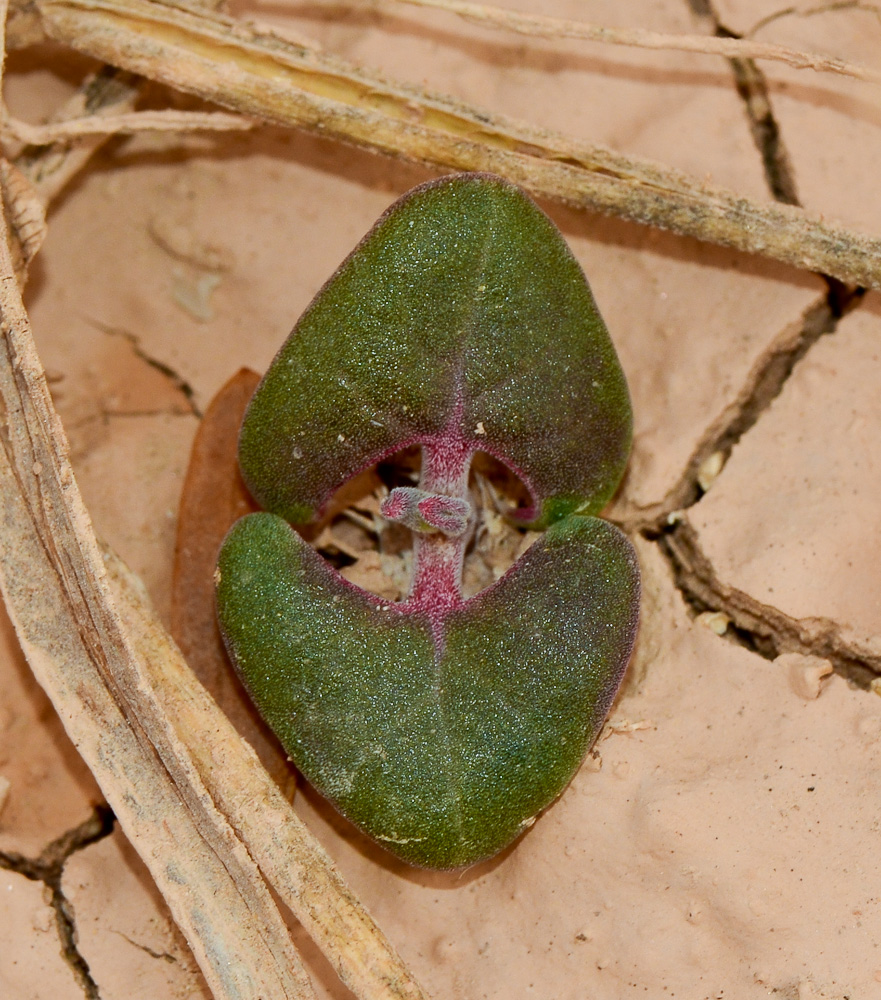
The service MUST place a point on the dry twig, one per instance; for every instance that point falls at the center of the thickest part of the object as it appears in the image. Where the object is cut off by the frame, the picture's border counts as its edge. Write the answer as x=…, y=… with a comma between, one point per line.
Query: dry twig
x=262, y=75
x=109, y=92
x=537, y=25
x=122, y=124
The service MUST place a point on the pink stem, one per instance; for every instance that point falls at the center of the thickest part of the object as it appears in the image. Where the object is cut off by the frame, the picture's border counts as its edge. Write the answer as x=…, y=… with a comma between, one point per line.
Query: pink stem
x=437, y=559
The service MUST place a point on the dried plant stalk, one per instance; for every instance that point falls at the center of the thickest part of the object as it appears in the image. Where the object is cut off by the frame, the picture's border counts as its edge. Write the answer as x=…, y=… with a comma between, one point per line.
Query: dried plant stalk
x=135, y=121
x=109, y=92
x=26, y=215
x=262, y=75
x=539, y=26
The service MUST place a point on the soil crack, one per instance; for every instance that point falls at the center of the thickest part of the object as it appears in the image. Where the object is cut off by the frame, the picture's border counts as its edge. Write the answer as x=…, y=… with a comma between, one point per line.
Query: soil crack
x=763, y=384
x=160, y=955
x=760, y=627
x=753, y=89
x=773, y=367
x=177, y=380
x=48, y=868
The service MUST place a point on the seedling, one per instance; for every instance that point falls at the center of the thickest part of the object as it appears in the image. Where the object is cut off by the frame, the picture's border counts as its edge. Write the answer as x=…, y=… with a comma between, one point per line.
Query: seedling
x=440, y=726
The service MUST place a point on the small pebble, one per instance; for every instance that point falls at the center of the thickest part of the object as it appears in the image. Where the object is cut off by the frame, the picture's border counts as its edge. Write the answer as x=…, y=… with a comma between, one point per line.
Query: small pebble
x=715, y=621
x=805, y=673
x=710, y=469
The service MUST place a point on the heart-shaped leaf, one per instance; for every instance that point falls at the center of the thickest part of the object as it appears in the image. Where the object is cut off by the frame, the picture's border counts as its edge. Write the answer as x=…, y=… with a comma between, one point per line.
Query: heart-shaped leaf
x=461, y=316
x=439, y=726
x=440, y=743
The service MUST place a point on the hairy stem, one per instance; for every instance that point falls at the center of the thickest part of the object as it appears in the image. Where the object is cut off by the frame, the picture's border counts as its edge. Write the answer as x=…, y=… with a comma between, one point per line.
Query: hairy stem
x=437, y=558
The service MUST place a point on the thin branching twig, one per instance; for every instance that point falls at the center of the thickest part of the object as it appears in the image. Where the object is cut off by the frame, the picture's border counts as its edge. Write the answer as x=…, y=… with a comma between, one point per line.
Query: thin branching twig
x=124, y=124
x=540, y=26
x=50, y=167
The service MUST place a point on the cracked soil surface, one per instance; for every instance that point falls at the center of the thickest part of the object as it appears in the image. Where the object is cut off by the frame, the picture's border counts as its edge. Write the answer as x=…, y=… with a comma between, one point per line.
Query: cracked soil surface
x=720, y=840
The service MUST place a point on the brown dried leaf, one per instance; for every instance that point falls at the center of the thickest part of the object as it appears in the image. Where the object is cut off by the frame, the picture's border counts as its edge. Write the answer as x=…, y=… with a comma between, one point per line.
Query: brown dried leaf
x=213, y=499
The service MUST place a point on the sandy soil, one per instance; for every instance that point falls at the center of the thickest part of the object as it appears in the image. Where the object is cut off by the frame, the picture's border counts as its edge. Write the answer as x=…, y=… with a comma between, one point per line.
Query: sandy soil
x=720, y=842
